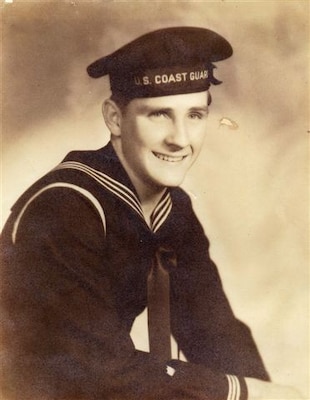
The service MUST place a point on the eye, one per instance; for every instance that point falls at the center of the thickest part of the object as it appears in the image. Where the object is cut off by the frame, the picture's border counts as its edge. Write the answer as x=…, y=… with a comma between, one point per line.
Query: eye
x=159, y=114
x=195, y=115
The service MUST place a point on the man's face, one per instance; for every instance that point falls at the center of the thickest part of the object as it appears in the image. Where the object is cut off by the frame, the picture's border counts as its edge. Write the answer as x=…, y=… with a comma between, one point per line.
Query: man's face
x=161, y=137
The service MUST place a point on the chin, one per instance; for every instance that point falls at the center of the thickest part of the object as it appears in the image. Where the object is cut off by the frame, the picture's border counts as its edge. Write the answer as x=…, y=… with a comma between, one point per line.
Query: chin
x=172, y=182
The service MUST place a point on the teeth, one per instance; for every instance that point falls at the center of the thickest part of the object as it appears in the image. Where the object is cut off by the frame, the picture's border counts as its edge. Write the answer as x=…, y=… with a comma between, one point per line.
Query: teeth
x=169, y=158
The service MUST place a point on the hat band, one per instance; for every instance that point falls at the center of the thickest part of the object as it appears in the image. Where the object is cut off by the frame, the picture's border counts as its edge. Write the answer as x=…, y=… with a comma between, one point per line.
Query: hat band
x=164, y=81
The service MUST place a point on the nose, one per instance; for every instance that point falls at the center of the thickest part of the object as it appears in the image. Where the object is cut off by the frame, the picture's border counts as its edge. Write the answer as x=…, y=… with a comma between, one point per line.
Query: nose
x=177, y=137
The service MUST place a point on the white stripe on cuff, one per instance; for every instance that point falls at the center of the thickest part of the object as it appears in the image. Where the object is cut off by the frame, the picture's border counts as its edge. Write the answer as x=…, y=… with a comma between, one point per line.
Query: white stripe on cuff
x=233, y=388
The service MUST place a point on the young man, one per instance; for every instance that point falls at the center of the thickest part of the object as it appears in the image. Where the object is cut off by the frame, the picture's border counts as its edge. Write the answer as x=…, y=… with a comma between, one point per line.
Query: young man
x=80, y=244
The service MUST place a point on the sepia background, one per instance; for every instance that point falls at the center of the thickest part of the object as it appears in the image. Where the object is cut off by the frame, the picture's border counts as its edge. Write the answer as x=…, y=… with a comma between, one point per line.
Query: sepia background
x=249, y=186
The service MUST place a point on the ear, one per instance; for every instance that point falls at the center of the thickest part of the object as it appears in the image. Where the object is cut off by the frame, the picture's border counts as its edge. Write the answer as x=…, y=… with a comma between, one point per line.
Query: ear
x=112, y=116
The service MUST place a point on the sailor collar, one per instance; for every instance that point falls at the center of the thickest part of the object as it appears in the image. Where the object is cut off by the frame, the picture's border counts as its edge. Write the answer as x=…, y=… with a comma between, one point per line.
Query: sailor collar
x=105, y=168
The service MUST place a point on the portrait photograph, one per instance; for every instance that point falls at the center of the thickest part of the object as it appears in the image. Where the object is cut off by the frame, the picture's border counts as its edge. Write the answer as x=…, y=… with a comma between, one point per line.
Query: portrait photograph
x=154, y=200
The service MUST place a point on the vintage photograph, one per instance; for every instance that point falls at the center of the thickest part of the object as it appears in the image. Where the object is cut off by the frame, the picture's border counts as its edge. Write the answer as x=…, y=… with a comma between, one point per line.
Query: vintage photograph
x=154, y=200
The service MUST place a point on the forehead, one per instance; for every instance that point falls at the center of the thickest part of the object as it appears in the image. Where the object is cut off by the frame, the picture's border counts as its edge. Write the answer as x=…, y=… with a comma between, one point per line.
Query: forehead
x=180, y=101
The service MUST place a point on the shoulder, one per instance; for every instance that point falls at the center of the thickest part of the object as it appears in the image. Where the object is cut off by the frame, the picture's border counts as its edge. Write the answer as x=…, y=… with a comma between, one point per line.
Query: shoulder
x=180, y=197
x=183, y=211
x=63, y=176
x=59, y=208
x=61, y=196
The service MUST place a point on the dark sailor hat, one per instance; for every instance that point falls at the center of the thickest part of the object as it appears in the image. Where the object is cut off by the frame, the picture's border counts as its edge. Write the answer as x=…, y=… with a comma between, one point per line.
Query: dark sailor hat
x=164, y=62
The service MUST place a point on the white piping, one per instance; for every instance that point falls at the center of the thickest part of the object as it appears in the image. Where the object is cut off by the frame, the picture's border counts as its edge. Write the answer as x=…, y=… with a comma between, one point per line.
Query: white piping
x=84, y=192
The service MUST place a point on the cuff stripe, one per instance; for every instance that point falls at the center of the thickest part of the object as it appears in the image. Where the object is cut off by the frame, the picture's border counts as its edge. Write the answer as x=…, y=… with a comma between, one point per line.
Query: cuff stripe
x=233, y=388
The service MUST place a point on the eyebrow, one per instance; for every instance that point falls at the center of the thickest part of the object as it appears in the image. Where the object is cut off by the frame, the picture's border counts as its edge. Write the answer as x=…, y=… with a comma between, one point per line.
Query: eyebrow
x=147, y=109
x=200, y=108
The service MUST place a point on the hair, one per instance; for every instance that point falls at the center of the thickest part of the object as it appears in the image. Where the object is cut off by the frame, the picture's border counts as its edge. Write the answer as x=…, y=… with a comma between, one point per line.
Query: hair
x=122, y=100
x=209, y=98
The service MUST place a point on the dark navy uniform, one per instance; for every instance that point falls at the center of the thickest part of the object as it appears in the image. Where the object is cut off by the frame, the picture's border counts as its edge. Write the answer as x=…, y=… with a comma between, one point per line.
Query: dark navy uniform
x=77, y=252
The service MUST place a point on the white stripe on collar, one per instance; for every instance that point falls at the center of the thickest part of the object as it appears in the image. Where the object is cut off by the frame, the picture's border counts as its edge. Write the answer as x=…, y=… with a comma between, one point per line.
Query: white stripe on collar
x=106, y=181
x=161, y=211
x=84, y=192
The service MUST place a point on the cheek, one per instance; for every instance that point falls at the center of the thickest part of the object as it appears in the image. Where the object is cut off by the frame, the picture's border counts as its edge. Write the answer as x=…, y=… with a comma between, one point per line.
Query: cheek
x=136, y=132
x=198, y=139
x=131, y=138
x=147, y=136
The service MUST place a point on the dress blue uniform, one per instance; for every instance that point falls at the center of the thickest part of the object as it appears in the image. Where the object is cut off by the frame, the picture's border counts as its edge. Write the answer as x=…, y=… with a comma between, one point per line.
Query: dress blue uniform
x=77, y=252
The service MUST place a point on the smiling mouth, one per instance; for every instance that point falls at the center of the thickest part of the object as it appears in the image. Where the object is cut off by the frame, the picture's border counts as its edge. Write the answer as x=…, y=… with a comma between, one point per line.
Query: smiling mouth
x=165, y=157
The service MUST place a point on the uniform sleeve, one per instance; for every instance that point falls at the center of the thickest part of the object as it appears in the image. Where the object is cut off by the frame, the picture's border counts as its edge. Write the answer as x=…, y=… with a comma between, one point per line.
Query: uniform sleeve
x=204, y=324
x=63, y=338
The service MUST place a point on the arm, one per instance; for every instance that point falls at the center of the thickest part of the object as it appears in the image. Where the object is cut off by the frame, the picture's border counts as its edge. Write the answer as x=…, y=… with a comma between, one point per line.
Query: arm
x=205, y=327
